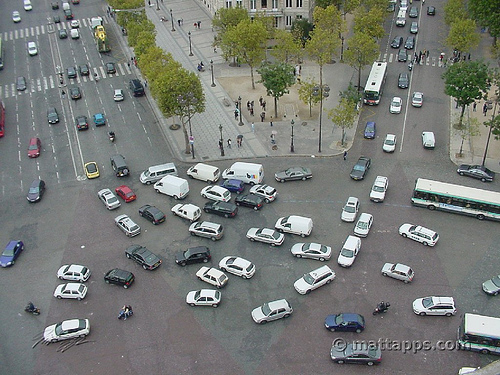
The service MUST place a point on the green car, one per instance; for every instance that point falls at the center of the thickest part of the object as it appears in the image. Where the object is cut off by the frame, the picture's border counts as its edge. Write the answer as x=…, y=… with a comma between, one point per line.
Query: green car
x=99, y=119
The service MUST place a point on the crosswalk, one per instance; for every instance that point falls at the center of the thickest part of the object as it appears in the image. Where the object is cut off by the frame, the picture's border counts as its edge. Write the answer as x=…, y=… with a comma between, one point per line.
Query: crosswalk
x=52, y=81
x=393, y=57
x=28, y=32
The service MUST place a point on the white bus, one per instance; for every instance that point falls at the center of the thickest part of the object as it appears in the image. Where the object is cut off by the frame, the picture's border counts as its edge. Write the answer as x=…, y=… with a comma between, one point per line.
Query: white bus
x=375, y=83
x=480, y=334
x=435, y=195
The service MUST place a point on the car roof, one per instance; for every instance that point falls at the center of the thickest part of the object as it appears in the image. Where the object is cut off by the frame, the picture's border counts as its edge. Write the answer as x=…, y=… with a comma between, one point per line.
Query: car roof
x=280, y=303
x=365, y=216
x=321, y=270
x=208, y=224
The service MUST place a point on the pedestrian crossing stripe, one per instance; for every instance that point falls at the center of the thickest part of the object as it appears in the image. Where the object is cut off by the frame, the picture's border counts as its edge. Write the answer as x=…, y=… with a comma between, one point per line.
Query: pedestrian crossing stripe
x=393, y=57
x=42, y=29
x=46, y=83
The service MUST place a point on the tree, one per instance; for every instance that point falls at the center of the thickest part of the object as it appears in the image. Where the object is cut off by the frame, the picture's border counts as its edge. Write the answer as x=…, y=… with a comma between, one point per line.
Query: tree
x=226, y=18
x=363, y=50
x=351, y=93
x=370, y=23
x=466, y=81
x=454, y=10
x=247, y=41
x=286, y=46
x=276, y=78
x=153, y=61
x=487, y=14
x=306, y=94
x=344, y=115
x=463, y=35
x=494, y=123
x=301, y=30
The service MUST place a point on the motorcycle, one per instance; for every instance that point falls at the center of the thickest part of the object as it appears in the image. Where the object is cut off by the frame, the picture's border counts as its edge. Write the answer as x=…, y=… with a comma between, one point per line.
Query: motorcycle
x=382, y=307
x=31, y=308
x=112, y=136
x=125, y=312
x=410, y=66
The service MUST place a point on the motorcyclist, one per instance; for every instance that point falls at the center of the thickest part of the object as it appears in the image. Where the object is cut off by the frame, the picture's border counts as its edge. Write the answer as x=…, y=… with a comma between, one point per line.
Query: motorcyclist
x=30, y=307
x=112, y=136
x=201, y=67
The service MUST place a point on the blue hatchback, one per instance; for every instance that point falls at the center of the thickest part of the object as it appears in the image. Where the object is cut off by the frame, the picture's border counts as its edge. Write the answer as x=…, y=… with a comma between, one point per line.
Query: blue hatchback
x=370, y=130
x=234, y=186
x=99, y=119
x=11, y=252
x=346, y=322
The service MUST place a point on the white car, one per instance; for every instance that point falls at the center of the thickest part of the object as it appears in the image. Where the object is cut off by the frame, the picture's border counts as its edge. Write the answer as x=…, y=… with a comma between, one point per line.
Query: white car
x=311, y=250
x=67, y=329
x=363, y=225
x=187, y=211
x=379, y=188
x=75, y=24
x=118, y=95
x=16, y=16
x=396, y=105
x=71, y=290
x=270, y=311
x=419, y=233
x=266, y=235
x=212, y=276
x=203, y=297
x=216, y=193
x=350, y=210
x=127, y=225
x=349, y=251
x=32, y=50
x=237, y=266
x=207, y=229
x=73, y=272
x=417, y=99
x=268, y=193
x=314, y=279
x=389, y=143
x=434, y=306
x=109, y=199
x=398, y=271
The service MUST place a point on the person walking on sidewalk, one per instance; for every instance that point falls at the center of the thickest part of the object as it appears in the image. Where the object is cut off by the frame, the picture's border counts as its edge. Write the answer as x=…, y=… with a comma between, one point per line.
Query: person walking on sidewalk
x=345, y=154
x=236, y=114
x=485, y=108
x=262, y=116
x=474, y=105
x=253, y=127
x=229, y=143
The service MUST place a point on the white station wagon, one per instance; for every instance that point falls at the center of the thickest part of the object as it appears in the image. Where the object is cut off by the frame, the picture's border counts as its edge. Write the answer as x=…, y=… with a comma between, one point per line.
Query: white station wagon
x=419, y=233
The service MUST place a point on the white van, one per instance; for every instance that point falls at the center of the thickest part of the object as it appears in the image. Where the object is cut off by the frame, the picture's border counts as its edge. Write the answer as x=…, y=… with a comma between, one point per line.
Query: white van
x=173, y=186
x=204, y=172
x=295, y=224
x=428, y=140
x=249, y=173
x=157, y=172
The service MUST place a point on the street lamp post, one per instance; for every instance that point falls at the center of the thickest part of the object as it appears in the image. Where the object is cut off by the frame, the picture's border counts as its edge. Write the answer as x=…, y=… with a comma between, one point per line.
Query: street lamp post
x=489, y=134
x=221, y=141
x=190, y=45
x=324, y=92
x=172, y=19
x=212, y=70
x=239, y=108
x=292, y=147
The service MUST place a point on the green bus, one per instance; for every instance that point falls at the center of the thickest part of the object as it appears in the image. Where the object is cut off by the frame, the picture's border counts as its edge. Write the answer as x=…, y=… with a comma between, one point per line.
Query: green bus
x=479, y=333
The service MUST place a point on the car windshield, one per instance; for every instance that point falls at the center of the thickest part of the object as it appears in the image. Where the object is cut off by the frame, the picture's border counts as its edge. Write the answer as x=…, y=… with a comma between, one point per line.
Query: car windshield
x=197, y=295
x=34, y=189
x=347, y=253
x=389, y=142
x=9, y=252
x=309, y=279
x=358, y=167
x=91, y=168
x=427, y=302
x=33, y=147
x=378, y=188
x=265, y=309
x=496, y=281
x=349, y=209
x=58, y=329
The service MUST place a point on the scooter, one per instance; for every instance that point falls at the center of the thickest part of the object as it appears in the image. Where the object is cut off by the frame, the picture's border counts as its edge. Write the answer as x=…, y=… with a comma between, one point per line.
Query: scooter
x=125, y=312
x=382, y=307
x=112, y=136
x=410, y=66
x=32, y=309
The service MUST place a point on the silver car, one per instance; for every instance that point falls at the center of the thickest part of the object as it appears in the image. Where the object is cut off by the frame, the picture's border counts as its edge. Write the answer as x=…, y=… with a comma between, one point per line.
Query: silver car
x=207, y=229
x=266, y=235
x=270, y=311
x=109, y=199
x=127, y=226
x=311, y=250
x=398, y=271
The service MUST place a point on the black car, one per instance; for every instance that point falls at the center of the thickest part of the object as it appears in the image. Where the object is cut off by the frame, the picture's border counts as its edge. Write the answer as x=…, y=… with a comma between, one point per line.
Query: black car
x=249, y=200
x=360, y=168
x=356, y=353
x=221, y=208
x=476, y=171
x=397, y=41
x=68, y=14
x=413, y=13
x=152, y=214
x=402, y=57
x=143, y=256
x=75, y=93
x=55, y=5
x=81, y=123
x=71, y=72
x=35, y=193
x=110, y=68
x=52, y=115
x=57, y=19
x=431, y=11
x=84, y=70
x=197, y=254
x=21, y=83
x=293, y=173
x=346, y=322
x=63, y=34
x=119, y=277
x=403, y=80
x=410, y=42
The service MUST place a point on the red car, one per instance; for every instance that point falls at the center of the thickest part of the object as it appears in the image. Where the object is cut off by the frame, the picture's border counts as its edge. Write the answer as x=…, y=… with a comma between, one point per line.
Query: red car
x=34, y=148
x=126, y=193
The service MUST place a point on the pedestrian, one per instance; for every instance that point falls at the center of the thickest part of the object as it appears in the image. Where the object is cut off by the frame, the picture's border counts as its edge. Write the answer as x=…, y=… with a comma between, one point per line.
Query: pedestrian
x=236, y=114
x=145, y=83
x=345, y=154
x=229, y=143
x=251, y=111
x=485, y=108
x=248, y=105
x=199, y=24
x=468, y=57
x=262, y=116
x=128, y=64
x=456, y=104
x=63, y=93
x=427, y=53
x=195, y=25
x=474, y=105
x=239, y=141
x=253, y=127
x=271, y=122
x=179, y=21
x=273, y=141
x=261, y=99
x=149, y=2
x=264, y=105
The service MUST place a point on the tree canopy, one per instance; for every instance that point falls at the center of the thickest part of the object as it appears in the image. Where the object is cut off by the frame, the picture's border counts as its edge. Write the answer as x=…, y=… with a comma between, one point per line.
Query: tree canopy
x=363, y=50
x=276, y=78
x=463, y=35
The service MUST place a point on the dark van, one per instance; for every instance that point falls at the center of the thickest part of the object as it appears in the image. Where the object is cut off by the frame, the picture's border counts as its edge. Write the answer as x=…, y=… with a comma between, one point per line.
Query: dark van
x=136, y=87
x=119, y=165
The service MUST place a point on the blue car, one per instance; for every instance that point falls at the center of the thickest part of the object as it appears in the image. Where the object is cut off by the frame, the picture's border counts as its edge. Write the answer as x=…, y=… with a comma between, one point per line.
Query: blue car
x=234, y=186
x=345, y=322
x=99, y=119
x=11, y=252
x=370, y=130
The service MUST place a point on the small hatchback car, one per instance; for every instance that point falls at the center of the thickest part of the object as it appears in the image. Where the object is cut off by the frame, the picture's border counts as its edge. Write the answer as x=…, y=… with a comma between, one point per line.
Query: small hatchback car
x=198, y=254
x=119, y=277
x=212, y=276
x=237, y=266
x=398, y=271
x=270, y=311
x=127, y=226
x=151, y=213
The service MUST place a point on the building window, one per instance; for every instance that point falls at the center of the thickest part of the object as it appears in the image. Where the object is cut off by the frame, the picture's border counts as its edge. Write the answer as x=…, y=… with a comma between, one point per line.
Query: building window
x=263, y=4
x=229, y=4
x=275, y=4
x=239, y=3
x=299, y=3
x=298, y=16
x=276, y=22
x=288, y=21
x=253, y=5
x=288, y=3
